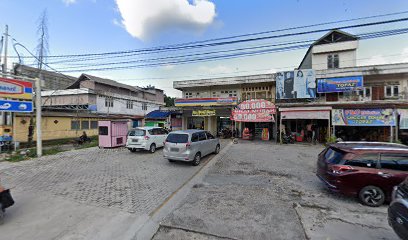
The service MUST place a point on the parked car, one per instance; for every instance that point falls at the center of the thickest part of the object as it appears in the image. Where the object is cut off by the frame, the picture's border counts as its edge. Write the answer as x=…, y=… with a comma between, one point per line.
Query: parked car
x=147, y=138
x=190, y=146
x=398, y=210
x=368, y=170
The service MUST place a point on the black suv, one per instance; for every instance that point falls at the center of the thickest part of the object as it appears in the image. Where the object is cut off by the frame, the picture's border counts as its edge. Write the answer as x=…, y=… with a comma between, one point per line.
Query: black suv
x=398, y=210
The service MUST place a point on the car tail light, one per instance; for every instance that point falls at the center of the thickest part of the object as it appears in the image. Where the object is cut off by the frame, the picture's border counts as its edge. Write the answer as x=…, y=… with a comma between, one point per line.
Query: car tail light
x=340, y=169
x=146, y=137
x=188, y=145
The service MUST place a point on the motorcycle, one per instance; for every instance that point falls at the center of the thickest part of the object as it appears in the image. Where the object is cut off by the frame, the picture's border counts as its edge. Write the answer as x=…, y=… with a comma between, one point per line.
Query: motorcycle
x=6, y=201
x=288, y=138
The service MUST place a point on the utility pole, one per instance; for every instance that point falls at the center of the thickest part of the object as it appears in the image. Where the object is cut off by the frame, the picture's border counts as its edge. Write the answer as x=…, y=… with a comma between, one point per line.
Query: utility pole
x=38, y=114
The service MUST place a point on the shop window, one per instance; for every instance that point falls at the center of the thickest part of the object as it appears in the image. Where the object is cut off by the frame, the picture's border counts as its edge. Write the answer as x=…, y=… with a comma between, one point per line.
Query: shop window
x=332, y=61
x=94, y=124
x=103, y=131
x=74, y=125
x=391, y=91
x=85, y=125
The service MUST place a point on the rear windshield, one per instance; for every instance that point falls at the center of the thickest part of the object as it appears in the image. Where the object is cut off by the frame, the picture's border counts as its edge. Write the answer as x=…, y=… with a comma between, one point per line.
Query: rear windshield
x=137, y=132
x=333, y=156
x=177, y=138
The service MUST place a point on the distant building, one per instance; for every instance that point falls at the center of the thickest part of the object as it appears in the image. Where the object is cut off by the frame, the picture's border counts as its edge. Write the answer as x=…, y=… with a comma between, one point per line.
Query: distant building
x=79, y=106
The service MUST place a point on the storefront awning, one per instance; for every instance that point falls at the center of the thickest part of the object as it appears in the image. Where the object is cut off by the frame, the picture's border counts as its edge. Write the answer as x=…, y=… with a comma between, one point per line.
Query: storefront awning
x=305, y=113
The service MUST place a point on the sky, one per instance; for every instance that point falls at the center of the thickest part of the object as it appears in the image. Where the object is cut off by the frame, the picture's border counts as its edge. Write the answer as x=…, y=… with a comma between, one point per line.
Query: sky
x=98, y=26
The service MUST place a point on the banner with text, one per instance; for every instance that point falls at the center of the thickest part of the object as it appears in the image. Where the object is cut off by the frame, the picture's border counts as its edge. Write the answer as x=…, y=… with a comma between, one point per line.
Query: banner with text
x=363, y=117
x=341, y=84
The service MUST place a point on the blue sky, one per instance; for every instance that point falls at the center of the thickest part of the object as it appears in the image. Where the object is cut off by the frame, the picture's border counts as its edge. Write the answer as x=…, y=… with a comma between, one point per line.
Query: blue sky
x=92, y=26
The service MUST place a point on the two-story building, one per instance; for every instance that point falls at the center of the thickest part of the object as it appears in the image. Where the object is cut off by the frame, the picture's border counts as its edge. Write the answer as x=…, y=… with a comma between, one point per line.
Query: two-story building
x=349, y=101
x=353, y=102
x=209, y=103
x=68, y=112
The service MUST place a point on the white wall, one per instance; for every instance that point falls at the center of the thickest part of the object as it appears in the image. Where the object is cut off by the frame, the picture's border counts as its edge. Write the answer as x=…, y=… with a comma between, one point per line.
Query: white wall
x=208, y=92
x=347, y=52
x=119, y=107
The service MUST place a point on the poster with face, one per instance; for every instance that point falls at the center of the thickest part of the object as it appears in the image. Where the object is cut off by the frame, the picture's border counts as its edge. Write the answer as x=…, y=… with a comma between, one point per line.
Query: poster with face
x=296, y=84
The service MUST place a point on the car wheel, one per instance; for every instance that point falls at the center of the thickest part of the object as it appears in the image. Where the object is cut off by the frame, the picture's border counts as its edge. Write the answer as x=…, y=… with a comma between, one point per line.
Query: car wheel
x=152, y=148
x=217, y=149
x=171, y=160
x=1, y=214
x=197, y=159
x=372, y=196
x=132, y=149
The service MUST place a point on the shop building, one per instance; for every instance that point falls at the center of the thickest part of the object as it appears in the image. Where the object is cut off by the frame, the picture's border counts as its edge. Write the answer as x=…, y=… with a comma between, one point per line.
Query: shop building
x=364, y=102
x=208, y=103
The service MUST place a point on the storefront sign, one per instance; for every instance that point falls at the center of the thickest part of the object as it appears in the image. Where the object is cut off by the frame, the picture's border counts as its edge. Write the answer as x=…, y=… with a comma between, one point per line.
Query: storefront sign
x=296, y=84
x=363, y=117
x=15, y=106
x=203, y=113
x=256, y=104
x=192, y=102
x=11, y=88
x=343, y=84
x=255, y=115
x=318, y=114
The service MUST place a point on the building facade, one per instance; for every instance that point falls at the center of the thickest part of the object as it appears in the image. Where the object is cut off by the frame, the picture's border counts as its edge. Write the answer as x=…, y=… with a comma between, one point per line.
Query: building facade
x=349, y=101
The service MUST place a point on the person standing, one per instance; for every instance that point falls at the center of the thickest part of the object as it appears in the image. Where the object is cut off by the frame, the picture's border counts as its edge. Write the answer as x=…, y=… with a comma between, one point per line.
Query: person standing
x=279, y=85
x=311, y=84
x=300, y=85
x=288, y=85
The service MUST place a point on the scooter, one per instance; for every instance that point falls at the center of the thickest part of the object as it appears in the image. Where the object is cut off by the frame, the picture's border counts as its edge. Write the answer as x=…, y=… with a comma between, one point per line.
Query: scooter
x=6, y=200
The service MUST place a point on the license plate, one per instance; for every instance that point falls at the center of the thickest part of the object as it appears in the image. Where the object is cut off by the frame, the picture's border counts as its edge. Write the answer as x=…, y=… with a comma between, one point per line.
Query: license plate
x=174, y=149
x=135, y=140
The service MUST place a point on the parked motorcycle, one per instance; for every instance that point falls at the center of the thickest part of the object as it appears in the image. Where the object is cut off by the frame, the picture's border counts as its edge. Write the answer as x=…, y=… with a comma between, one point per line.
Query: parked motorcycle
x=288, y=138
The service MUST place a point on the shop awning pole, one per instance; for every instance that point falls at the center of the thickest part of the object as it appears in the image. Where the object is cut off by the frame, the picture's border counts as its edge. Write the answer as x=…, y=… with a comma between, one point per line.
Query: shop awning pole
x=280, y=127
x=275, y=127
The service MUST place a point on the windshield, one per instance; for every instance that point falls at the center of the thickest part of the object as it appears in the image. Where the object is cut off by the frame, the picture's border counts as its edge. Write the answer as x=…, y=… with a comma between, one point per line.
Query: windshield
x=333, y=156
x=177, y=138
x=137, y=132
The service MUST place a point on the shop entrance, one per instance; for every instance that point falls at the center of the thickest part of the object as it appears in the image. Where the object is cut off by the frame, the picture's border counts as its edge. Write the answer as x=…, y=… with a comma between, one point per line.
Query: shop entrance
x=256, y=128
x=303, y=129
x=363, y=133
x=195, y=123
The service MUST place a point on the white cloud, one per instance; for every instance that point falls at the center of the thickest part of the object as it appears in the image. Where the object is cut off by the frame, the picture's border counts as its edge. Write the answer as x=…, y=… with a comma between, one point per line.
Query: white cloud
x=405, y=55
x=168, y=67
x=69, y=2
x=146, y=18
x=375, y=60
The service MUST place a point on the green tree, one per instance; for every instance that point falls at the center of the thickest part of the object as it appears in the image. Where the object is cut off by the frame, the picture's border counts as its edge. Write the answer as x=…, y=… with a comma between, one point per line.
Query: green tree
x=169, y=101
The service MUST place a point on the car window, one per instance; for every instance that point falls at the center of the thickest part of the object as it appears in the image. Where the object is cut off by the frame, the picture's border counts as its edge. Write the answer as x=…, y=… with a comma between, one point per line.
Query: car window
x=202, y=136
x=177, y=138
x=151, y=132
x=157, y=131
x=194, y=137
x=209, y=135
x=333, y=156
x=131, y=133
x=394, y=161
x=363, y=160
x=139, y=132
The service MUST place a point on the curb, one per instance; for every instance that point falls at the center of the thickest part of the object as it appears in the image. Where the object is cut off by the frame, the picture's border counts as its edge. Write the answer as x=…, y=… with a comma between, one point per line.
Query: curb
x=152, y=223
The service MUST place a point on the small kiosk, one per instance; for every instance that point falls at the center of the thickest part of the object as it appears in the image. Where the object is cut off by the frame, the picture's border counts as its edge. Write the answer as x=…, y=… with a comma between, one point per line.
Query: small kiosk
x=112, y=133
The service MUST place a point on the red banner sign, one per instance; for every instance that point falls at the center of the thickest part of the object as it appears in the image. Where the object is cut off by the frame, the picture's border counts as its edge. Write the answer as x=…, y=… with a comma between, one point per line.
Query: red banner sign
x=256, y=104
x=257, y=110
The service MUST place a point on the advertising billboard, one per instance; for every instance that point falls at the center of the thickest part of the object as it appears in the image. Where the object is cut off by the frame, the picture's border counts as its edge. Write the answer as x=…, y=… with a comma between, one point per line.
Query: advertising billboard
x=363, y=117
x=256, y=110
x=342, y=84
x=296, y=84
x=11, y=88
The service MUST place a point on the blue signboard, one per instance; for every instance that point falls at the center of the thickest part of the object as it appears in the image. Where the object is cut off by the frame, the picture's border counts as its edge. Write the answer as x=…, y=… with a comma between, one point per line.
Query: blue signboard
x=342, y=84
x=15, y=106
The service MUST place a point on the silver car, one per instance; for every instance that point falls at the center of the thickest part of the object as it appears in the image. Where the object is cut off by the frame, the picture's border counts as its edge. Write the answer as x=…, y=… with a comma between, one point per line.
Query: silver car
x=190, y=146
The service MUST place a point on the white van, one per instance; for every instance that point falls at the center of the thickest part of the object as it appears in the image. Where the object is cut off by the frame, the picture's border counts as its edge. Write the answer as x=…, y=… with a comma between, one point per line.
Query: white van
x=147, y=138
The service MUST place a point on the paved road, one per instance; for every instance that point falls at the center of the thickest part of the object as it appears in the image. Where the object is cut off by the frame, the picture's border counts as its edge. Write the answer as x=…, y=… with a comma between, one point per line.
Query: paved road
x=264, y=191
x=88, y=194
